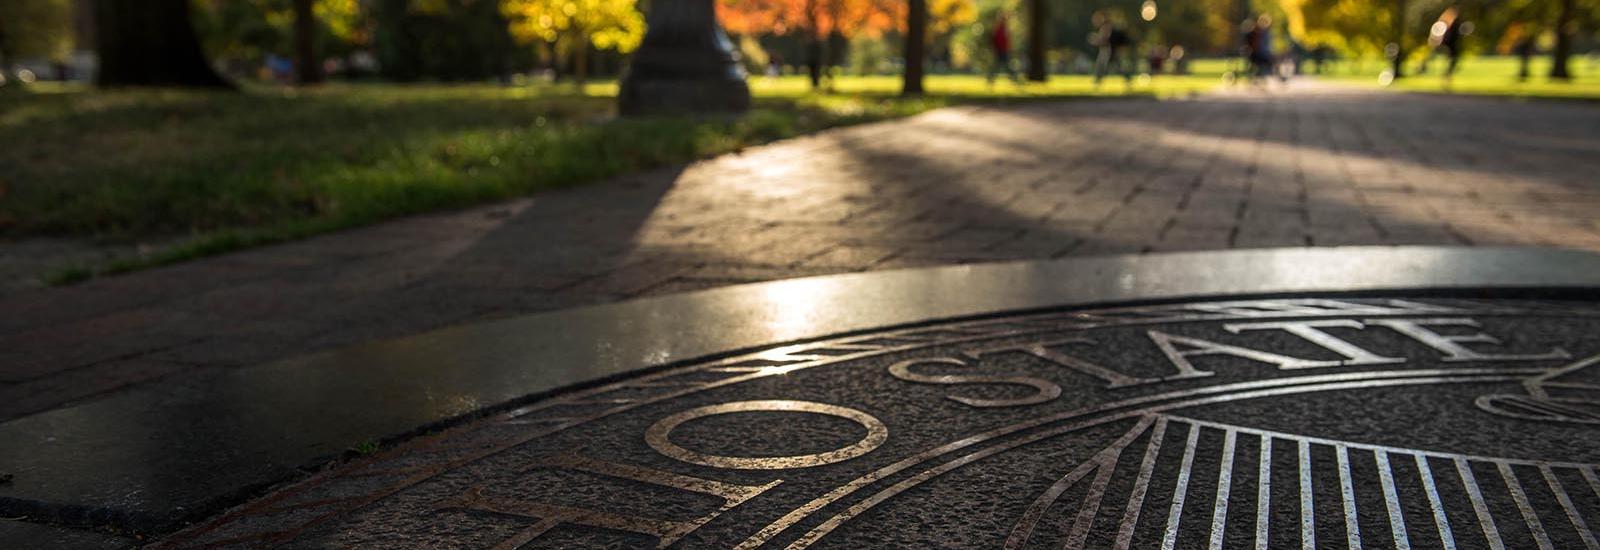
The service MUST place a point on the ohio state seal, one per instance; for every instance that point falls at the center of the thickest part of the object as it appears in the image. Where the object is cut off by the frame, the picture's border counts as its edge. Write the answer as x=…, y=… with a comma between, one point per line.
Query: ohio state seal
x=1305, y=423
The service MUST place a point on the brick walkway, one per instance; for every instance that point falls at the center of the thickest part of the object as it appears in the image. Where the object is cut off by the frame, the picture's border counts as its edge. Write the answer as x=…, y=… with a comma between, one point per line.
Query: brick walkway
x=1313, y=167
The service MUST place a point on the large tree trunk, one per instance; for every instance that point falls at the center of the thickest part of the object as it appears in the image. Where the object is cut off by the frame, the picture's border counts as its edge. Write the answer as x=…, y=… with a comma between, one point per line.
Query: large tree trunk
x=7, y=80
x=1563, y=47
x=1038, y=42
x=150, y=43
x=916, y=46
x=1398, y=68
x=580, y=61
x=307, y=64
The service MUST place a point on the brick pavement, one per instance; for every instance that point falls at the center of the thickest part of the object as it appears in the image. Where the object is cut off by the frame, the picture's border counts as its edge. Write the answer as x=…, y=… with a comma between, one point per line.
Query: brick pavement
x=1316, y=166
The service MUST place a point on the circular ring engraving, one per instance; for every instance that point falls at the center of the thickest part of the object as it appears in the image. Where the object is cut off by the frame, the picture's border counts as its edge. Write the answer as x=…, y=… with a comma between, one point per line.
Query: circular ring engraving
x=1268, y=406
x=658, y=435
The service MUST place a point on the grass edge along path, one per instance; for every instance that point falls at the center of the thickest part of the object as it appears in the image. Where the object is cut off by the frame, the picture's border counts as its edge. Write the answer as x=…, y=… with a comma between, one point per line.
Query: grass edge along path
x=783, y=109
x=1487, y=77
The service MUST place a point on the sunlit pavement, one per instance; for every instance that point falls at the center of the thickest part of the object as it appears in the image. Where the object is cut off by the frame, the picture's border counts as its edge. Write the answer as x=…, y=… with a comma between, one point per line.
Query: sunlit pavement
x=1310, y=166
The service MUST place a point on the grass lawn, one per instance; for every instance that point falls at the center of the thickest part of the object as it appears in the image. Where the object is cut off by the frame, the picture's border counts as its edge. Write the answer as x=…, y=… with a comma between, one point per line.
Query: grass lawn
x=1496, y=76
x=221, y=171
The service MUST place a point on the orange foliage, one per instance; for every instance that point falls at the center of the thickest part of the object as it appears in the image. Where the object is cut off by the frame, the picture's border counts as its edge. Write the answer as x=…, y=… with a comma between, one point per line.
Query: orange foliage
x=820, y=17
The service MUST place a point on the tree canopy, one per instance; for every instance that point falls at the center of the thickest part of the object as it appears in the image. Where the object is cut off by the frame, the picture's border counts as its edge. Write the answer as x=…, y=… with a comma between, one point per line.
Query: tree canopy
x=817, y=17
x=255, y=28
x=846, y=17
x=605, y=24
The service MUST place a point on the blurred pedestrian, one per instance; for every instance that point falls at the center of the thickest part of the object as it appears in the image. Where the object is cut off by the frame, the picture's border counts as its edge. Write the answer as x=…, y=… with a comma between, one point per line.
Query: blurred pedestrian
x=1320, y=56
x=1258, y=46
x=1525, y=45
x=1115, y=44
x=814, y=61
x=1180, y=64
x=1000, y=43
x=1297, y=56
x=1157, y=59
x=281, y=68
x=1445, y=34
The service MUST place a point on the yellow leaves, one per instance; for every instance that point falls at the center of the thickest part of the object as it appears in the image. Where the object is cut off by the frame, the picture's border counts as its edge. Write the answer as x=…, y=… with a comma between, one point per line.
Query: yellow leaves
x=1294, y=17
x=607, y=24
x=342, y=17
x=820, y=17
x=848, y=17
x=946, y=15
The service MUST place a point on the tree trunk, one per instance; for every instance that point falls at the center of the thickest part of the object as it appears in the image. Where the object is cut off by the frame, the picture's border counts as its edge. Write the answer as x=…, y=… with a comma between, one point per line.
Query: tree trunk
x=7, y=80
x=814, y=44
x=150, y=43
x=552, y=55
x=1563, y=47
x=307, y=65
x=1398, y=68
x=1038, y=42
x=916, y=45
x=580, y=61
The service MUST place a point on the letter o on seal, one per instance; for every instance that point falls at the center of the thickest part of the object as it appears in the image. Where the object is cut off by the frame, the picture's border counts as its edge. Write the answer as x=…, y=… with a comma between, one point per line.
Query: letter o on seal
x=657, y=435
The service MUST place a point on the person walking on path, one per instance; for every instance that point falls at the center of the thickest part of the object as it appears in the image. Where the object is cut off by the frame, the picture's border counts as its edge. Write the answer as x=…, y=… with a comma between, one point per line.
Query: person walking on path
x=1445, y=34
x=1115, y=44
x=1258, y=47
x=1000, y=42
x=1526, y=47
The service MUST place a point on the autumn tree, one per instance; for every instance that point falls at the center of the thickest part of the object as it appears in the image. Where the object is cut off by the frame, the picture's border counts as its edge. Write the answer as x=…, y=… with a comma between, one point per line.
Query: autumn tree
x=1516, y=21
x=817, y=19
x=945, y=16
x=602, y=24
x=1360, y=27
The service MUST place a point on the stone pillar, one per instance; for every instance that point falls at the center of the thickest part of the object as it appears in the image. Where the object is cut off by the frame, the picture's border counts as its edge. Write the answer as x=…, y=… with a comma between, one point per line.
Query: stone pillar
x=685, y=64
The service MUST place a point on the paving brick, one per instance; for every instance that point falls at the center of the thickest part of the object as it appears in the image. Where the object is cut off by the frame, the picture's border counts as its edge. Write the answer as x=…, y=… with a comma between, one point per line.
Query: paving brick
x=1041, y=180
x=633, y=279
x=850, y=257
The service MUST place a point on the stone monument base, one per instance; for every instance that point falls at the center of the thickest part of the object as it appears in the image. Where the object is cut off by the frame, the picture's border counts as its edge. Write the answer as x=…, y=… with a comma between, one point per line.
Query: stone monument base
x=682, y=96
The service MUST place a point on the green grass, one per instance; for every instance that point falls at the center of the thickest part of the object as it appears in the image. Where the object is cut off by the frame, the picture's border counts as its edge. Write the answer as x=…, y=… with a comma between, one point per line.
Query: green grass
x=364, y=448
x=1492, y=76
x=225, y=171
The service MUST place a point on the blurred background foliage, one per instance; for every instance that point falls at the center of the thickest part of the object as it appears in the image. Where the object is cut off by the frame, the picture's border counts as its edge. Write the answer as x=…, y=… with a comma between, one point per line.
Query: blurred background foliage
x=476, y=40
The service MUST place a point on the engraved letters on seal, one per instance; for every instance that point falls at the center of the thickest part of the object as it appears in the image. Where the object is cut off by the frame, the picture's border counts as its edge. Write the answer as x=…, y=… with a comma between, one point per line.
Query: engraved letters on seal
x=1292, y=423
x=659, y=436
x=1177, y=462
x=549, y=516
